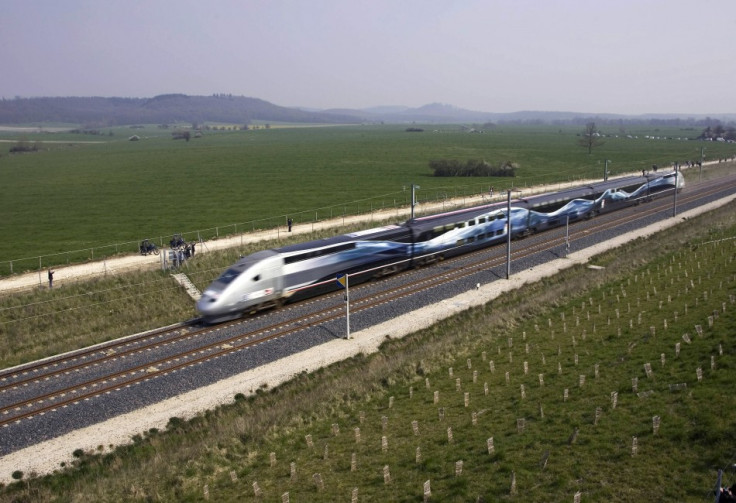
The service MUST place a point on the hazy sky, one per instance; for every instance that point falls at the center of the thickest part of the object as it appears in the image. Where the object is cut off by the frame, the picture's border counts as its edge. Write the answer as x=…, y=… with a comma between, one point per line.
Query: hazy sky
x=618, y=56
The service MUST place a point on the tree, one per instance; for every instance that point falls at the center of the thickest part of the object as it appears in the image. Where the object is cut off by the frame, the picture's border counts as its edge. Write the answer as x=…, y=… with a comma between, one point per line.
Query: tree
x=590, y=137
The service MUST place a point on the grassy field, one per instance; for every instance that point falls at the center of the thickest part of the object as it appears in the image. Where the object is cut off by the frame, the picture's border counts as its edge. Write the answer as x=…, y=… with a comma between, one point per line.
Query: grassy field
x=105, y=196
x=606, y=325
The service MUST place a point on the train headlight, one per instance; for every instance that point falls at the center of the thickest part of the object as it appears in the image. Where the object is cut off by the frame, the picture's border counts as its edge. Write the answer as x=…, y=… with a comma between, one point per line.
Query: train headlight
x=211, y=294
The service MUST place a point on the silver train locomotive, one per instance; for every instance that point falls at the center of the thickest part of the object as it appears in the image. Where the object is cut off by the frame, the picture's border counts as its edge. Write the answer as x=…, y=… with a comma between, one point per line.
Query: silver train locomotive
x=272, y=277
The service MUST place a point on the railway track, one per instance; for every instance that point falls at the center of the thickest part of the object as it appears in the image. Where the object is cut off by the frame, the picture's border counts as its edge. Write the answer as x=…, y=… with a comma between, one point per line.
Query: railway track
x=53, y=384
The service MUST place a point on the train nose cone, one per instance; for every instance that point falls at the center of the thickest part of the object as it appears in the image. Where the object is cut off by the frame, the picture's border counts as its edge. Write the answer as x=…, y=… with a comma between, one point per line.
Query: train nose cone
x=206, y=304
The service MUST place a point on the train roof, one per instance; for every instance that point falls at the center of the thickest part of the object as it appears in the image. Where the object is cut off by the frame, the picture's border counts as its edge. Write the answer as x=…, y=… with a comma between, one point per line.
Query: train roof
x=387, y=232
x=587, y=191
x=583, y=191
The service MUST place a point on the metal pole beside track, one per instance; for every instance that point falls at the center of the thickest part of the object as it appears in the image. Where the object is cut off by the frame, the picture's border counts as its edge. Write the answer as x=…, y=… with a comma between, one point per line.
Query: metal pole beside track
x=347, y=304
x=674, y=204
x=508, y=233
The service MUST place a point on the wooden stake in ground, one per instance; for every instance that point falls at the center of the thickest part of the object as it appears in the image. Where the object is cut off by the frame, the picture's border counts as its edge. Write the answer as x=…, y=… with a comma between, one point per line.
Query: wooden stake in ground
x=317, y=478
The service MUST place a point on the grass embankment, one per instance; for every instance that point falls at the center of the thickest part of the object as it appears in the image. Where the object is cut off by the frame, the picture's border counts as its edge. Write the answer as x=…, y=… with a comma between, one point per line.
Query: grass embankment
x=606, y=325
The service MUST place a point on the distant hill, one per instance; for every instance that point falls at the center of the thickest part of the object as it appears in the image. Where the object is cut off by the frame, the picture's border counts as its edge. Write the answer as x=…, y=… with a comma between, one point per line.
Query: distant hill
x=163, y=109
x=176, y=108
x=439, y=113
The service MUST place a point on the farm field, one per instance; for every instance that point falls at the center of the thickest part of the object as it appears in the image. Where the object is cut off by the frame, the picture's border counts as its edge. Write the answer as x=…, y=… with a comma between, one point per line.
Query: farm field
x=73, y=201
x=603, y=383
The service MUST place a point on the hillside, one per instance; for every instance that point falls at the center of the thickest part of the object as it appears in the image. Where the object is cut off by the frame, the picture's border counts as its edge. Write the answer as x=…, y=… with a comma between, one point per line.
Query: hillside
x=173, y=108
x=163, y=109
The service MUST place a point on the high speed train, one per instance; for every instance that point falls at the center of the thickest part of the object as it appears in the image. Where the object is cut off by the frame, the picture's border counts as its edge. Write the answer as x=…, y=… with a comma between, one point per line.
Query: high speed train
x=271, y=277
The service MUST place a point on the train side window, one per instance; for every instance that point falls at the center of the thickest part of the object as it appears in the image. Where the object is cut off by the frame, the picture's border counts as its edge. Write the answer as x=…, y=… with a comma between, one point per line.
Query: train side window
x=499, y=232
x=471, y=222
x=482, y=220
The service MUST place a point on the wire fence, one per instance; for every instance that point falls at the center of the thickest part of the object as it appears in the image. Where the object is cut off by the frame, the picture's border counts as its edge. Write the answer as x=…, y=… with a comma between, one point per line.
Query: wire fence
x=398, y=202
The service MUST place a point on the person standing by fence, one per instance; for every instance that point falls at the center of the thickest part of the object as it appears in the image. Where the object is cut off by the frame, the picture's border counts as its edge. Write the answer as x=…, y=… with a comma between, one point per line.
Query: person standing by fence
x=51, y=278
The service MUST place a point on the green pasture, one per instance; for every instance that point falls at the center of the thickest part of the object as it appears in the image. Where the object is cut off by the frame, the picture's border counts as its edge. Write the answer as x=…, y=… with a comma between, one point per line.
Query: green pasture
x=87, y=196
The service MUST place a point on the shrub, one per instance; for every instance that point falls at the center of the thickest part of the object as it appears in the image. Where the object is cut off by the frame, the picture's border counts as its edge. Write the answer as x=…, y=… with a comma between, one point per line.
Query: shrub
x=472, y=167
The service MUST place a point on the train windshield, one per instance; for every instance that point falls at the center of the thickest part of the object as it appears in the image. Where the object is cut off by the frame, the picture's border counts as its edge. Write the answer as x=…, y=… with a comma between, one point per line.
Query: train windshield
x=229, y=275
